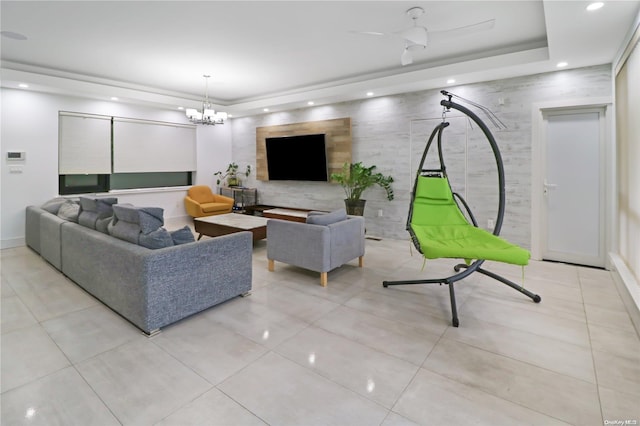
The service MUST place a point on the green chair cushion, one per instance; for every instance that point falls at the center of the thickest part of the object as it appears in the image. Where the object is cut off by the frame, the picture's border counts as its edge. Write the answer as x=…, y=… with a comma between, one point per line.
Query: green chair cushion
x=443, y=232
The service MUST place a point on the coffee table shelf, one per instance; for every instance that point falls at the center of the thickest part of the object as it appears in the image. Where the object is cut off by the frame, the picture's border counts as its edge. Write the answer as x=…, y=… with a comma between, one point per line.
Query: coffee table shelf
x=223, y=224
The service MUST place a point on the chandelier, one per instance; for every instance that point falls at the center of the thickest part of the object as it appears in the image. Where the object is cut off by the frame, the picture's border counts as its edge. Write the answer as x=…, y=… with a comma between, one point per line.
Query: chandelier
x=207, y=115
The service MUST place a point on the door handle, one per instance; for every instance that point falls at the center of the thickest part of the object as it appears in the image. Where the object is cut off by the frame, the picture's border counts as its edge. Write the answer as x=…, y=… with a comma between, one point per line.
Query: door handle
x=548, y=186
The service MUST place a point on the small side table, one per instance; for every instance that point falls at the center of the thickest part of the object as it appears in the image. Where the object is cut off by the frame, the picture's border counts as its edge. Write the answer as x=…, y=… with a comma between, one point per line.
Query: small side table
x=242, y=196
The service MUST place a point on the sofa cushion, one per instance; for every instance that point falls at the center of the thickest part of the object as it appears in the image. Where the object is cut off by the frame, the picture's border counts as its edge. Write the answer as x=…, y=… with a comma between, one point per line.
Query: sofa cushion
x=69, y=210
x=150, y=218
x=102, y=225
x=53, y=205
x=327, y=218
x=125, y=224
x=160, y=238
x=93, y=210
x=87, y=203
x=182, y=236
x=129, y=222
x=87, y=218
x=126, y=212
x=88, y=212
x=215, y=207
x=104, y=207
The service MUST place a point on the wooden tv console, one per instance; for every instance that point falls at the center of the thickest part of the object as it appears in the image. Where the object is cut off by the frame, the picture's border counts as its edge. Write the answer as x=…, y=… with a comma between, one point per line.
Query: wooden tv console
x=285, y=213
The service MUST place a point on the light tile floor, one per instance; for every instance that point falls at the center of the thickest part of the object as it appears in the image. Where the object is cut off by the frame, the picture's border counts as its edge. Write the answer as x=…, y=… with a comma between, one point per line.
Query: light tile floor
x=353, y=353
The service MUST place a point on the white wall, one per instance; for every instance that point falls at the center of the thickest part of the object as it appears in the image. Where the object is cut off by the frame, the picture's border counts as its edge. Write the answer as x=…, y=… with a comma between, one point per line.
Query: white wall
x=626, y=260
x=29, y=122
x=387, y=132
x=628, y=131
x=381, y=136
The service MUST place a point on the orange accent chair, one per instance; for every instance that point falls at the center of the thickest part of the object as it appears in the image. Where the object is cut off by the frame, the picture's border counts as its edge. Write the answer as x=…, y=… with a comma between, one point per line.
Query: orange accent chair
x=200, y=201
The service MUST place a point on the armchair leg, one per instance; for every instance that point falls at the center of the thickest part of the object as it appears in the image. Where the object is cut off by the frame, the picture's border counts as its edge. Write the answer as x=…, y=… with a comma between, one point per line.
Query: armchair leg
x=323, y=279
x=361, y=261
x=271, y=265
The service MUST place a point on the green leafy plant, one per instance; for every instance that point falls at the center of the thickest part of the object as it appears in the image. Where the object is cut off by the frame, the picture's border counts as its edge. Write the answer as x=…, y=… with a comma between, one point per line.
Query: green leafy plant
x=355, y=178
x=231, y=174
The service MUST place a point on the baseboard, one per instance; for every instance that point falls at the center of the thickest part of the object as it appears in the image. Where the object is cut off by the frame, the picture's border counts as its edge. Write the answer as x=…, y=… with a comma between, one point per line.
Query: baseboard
x=12, y=243
x=628, y=287
x=177, y=221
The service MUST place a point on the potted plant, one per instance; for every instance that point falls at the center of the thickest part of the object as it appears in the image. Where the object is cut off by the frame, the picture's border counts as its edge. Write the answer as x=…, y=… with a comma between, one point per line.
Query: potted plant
x=231, y=175
x=355, y=178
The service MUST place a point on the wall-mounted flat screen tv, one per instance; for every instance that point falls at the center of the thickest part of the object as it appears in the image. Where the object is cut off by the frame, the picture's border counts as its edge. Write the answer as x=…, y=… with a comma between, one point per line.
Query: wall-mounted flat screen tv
x=297, y=158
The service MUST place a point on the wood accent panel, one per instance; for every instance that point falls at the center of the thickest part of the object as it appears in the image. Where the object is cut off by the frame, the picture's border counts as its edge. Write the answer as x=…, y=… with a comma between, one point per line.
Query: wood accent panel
x=337, y=139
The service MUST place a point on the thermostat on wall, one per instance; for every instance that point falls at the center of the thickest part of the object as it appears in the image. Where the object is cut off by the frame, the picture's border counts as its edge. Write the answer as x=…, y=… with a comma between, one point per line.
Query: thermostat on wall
x=16, y=155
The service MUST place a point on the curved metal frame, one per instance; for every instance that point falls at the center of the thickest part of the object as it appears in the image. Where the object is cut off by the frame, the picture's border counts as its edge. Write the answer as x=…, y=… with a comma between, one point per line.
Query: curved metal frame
x=462, y=270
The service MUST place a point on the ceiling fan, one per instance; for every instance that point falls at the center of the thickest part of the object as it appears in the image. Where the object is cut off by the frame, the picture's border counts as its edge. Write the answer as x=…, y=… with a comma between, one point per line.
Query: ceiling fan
x=418, y=37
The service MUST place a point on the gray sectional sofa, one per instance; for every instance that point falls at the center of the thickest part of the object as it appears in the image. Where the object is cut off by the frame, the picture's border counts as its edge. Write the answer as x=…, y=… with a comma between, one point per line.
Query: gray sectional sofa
x=151, y=288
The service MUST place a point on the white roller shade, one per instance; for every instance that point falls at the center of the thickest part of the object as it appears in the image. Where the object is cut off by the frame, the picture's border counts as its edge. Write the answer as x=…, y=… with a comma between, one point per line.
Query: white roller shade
x=84, y=145
x=146, y=146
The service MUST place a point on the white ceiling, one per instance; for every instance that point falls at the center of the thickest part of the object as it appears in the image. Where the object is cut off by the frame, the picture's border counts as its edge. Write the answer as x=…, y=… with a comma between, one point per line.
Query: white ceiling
x=281, y=54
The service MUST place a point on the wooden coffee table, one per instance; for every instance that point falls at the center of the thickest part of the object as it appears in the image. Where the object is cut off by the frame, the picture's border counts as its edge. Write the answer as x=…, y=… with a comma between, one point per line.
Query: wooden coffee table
x=223, y=224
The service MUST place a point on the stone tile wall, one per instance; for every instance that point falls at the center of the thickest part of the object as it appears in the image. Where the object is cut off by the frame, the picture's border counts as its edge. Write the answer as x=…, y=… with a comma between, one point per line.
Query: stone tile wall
x=390, y=132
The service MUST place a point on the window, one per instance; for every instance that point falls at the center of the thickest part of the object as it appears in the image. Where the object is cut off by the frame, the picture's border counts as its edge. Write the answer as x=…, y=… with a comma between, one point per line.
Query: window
x=149, y=180
x=81, y=184
x=103, y=153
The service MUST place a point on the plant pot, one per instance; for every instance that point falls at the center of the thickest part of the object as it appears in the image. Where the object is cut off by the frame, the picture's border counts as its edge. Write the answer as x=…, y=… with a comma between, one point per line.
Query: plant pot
x=354, y=207
x=233, y=181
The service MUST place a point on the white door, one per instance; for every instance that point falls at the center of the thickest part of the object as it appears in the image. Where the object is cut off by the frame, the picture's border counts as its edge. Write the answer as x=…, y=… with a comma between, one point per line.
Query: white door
x=573, y=187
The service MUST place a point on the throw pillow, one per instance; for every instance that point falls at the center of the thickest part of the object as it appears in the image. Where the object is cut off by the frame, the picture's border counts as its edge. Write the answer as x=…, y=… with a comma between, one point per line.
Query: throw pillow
x=160, y=238
x=182, y=236
x=150, y=218
x=53, y=205
x=328, y=218
x=69, y=210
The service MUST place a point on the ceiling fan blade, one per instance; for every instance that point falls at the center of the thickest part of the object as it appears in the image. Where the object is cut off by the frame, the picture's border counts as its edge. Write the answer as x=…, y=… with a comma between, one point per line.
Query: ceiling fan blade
x=406, y=58
x=462, y=31
x=368, y=33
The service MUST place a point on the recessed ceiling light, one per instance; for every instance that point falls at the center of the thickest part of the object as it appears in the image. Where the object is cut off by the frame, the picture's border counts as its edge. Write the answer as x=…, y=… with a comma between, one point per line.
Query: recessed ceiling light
x=562, y=64
x=266, y=110
x=113, y=98
x=595, y=6
x=451, y=81
x=310, y=103
x=229, y=115
x=181, y=108
x=23, y=85
x=369, y=93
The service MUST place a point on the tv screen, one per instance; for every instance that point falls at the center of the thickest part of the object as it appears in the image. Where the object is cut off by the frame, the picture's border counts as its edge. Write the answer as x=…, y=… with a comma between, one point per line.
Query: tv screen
x=297, y=158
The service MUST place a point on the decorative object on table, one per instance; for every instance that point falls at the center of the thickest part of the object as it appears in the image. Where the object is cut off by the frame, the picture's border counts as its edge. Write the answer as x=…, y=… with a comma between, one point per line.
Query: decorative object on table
x=231, y=175
x=208, y=115
x=355, y=178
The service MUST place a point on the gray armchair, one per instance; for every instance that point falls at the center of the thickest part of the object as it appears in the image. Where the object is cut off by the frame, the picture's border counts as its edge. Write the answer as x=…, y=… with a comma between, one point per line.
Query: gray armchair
x=324, y=243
